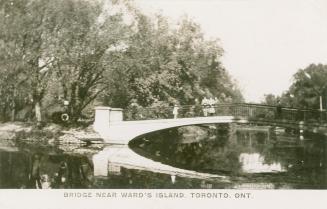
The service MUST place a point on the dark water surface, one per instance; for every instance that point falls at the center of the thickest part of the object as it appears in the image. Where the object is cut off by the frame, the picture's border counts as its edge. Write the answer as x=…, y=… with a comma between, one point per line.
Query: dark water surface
x=250, y=158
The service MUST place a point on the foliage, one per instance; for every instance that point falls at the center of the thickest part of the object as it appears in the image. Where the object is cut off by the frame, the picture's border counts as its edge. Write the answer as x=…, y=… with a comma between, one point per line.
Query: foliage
x=271, y=99
x=87, y=52
x=308, y=85
x=175, y=65
x=54, y=50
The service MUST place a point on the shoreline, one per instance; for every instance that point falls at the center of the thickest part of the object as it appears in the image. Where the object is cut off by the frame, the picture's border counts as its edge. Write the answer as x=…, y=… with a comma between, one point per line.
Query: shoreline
x=51, y=133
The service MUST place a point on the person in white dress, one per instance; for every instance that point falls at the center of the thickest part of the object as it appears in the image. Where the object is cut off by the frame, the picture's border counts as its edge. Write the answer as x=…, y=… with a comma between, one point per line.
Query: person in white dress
x=212, y=102
x=175, y=111
x=205, y=106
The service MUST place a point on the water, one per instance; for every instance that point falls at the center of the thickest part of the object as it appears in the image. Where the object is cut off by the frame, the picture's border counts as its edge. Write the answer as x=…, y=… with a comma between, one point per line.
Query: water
x=242, y=158
x=251, y=159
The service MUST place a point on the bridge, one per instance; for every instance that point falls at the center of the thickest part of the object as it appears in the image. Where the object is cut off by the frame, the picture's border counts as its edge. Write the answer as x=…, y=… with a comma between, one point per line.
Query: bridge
x=119, y=126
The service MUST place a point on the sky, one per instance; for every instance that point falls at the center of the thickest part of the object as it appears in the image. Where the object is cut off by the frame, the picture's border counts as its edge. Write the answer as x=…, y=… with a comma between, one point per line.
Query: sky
x=265, y=41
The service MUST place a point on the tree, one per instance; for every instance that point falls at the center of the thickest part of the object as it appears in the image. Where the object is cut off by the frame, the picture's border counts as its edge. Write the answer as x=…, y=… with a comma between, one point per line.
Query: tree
x=28, y=30
x=60, y=47
x=271, y=99
x=308, y=86
x=165, y=64
x=89, y=41
x=82, y=51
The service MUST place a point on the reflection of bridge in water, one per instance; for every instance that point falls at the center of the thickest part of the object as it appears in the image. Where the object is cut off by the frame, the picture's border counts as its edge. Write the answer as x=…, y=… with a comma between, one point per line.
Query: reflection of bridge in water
x=139, y=121
x=112, y=158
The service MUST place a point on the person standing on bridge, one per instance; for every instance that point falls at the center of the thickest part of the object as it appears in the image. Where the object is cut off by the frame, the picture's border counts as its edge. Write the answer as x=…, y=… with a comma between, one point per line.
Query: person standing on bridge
x=213, y=105
x=175, y=111
x=205, y=106
x=278, y=110
x=133, y=109
x=211, y=108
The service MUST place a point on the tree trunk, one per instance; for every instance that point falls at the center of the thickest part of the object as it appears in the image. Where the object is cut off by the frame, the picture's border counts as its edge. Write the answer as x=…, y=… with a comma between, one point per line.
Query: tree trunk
x=13, y=110
x=38, y=111
x=73, y=102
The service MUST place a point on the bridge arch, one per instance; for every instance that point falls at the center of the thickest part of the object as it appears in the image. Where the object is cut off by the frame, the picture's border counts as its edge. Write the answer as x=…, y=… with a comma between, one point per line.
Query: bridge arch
x=124, y=132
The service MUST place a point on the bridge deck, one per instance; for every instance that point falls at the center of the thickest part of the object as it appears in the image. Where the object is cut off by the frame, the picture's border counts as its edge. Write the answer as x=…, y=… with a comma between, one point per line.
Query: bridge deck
x=124, y=131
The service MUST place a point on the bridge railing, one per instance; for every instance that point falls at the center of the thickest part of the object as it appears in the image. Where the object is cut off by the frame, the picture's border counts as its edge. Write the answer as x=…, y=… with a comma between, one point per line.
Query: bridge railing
x=250, y=111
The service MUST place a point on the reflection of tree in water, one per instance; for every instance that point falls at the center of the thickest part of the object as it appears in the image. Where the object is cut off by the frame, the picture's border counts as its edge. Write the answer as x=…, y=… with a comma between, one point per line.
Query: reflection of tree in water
x=34, y=175
x=306, y=163
x=215, y=154
x=224, y=159
x=47, y=167
x=13, y=170
x=42, y=169
x=18, y=171
x=60, y=171
x=303, y=163
x=79, y=172
x=71, y=172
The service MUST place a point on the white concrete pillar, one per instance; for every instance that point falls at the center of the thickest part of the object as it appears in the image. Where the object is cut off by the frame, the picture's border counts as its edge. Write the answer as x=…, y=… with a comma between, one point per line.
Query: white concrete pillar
x=101, y=118
x=105, y=115
x=115, y=115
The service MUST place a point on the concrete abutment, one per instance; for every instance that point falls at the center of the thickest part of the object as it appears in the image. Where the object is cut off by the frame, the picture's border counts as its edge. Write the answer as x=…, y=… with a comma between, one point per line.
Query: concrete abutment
x=106, y=115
